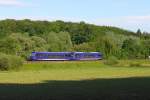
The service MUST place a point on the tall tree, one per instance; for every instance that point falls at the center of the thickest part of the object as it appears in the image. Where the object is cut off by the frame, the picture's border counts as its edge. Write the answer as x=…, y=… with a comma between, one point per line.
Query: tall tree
x=139, y=33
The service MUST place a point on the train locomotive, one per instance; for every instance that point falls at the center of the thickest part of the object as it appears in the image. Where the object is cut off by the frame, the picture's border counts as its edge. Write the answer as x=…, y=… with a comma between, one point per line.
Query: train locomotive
x=65, y=56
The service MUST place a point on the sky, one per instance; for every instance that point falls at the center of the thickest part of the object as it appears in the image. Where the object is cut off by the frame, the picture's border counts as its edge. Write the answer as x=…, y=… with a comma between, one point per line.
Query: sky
x=127, y=14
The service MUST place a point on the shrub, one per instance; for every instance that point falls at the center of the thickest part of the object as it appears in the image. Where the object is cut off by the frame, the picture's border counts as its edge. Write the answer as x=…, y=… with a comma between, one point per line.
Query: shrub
x=111, y=61
x=135, y=64
x=8, y=62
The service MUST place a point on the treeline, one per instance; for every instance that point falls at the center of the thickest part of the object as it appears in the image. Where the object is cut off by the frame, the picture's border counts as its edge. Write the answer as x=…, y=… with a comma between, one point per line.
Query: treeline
x=21, y=37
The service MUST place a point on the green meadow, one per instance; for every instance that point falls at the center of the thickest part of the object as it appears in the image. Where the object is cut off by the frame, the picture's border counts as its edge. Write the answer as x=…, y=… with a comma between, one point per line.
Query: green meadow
x=87, y=80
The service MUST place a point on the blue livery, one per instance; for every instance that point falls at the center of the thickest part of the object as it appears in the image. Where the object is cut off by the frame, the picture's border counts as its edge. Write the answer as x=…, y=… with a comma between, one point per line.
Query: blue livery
x=65, y=56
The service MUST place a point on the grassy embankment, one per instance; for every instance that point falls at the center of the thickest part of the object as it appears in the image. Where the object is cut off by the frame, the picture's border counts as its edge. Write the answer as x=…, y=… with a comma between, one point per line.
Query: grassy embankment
x=77, y=80
x=38, y=72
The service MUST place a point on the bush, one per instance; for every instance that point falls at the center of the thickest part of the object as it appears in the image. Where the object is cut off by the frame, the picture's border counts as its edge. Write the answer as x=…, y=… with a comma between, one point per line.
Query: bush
x=111, y=61
x=135, y=64
x=8, y=62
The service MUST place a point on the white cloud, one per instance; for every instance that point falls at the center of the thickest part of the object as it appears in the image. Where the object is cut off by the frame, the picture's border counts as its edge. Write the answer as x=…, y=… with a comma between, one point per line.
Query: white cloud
x=139, y=18
x=11, y=3
x=128, y=22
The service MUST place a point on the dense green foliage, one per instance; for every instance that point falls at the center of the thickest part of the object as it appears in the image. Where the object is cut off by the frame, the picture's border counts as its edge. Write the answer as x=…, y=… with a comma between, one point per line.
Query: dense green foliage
x=111, y=61
x=21, y=37
x=8, y=62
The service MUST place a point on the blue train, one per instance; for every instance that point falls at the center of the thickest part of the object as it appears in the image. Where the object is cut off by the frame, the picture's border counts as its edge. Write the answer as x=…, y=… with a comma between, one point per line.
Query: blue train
x=65, y=56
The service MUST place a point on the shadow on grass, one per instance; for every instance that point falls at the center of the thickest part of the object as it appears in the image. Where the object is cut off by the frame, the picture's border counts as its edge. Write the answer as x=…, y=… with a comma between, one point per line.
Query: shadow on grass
x=98, y=89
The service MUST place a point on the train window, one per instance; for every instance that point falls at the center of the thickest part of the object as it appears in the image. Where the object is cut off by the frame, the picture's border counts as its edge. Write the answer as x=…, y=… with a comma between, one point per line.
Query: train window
x=53, y=56
x=40, y=55
x=77, y=55
x=33, y=54
x=99, y=55
x=68, y=55
x=89, y=56
x=49, y=56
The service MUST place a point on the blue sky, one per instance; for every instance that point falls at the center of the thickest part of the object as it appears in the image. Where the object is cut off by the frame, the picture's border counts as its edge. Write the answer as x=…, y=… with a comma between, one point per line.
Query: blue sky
x=128, y=14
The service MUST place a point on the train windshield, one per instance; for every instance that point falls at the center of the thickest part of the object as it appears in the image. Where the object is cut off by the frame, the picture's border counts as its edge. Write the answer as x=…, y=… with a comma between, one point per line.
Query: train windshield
x=33, y=54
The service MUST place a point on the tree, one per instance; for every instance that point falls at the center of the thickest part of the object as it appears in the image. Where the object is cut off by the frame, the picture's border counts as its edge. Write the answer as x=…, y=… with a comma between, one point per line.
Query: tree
x=139, y=33
x=85, y=47
x=39, y=43
x=82, y=33
x=9, y=46
x=146, y=48
x=65, y=41
x=58, y=41
x=131, y=48
x=20, y=44
x=106, y=45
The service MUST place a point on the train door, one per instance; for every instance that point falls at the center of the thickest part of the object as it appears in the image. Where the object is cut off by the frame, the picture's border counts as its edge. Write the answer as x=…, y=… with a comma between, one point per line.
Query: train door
x=78, y=55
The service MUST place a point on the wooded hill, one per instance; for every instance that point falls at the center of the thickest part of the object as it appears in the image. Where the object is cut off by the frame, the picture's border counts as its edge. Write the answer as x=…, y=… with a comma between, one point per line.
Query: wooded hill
x=21, y=37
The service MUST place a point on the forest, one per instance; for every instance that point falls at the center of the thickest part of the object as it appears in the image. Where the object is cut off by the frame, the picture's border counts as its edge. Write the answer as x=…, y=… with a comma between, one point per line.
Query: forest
x=21, y=37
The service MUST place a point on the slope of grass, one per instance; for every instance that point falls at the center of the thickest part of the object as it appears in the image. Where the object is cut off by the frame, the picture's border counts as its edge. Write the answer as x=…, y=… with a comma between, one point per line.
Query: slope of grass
x=76, y=81
x=37, y=72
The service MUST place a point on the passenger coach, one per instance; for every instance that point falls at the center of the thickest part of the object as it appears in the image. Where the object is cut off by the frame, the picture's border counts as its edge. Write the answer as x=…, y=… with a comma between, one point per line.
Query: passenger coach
x=65, y=56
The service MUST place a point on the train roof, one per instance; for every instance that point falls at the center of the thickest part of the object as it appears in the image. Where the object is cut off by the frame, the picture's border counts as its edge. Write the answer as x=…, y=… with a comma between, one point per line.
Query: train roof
x=50, y=52
x=65, y=52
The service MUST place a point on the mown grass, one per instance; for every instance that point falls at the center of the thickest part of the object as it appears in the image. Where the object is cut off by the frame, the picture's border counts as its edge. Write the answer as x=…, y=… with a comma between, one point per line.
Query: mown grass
x=89, y=80
x=37, y=72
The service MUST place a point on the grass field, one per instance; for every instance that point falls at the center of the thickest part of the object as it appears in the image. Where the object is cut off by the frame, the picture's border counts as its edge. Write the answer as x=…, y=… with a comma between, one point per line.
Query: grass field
x=77, y=81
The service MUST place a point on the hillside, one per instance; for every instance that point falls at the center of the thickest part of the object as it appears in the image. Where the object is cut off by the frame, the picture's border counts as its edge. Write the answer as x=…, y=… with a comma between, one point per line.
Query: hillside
x=21, y=37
